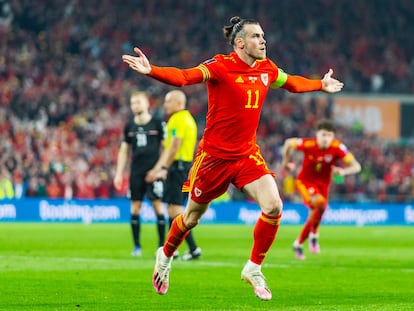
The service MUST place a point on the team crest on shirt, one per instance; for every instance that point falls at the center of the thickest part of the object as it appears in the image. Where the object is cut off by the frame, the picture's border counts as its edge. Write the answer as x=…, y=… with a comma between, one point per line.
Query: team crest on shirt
x=328, y=158
x=343, y=147
x=197, y=192
x=265, y=78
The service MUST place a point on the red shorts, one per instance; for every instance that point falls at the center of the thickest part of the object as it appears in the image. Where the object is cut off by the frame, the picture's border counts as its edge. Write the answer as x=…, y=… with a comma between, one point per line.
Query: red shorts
x=210, y=177
x=308, y=189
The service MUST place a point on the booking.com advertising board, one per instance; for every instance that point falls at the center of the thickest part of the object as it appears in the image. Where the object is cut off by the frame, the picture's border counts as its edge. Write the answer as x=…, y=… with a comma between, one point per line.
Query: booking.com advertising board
x=118, y=210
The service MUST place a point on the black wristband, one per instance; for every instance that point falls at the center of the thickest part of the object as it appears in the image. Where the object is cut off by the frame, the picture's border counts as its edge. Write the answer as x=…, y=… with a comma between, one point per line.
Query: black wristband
x=164, y=168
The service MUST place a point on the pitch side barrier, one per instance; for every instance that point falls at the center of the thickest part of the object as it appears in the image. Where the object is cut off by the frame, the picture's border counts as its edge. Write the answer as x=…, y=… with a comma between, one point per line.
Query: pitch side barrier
x=233, y=212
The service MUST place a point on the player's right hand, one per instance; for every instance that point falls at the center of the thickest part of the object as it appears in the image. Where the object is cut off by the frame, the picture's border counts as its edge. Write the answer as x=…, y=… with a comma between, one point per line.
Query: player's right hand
x=138, y=63
x=289, y=166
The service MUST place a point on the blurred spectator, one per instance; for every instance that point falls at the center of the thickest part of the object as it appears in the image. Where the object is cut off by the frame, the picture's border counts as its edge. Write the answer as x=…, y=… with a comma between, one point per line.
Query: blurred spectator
x=36, y=187
x=6, y=184
x=103, y=190
x=19, y=187
x=31, y=189
x=41, y=190
x=67, y=185
x=289, y=188
x=84, y=187
x=53, y=189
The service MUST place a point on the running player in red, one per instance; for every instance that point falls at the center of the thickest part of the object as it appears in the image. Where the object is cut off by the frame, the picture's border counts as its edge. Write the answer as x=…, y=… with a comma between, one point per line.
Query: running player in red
x=320, y=157
x=237, y=85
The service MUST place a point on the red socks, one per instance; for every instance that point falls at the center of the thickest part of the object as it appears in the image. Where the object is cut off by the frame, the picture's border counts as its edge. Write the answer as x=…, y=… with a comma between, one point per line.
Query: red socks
x=305, y=232
x=175, y=236
x=315, y=217
x=264, y=234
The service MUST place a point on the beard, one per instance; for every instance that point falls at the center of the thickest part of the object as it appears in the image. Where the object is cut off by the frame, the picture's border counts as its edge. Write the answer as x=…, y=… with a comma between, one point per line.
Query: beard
x=257, y=54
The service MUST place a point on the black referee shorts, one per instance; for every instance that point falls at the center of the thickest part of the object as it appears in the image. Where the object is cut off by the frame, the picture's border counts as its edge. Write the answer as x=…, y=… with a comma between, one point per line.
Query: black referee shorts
x=177, y=175
x=139, y=188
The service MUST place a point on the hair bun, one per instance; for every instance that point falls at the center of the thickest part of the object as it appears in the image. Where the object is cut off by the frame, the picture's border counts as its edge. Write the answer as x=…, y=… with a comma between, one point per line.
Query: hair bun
x=235, y=19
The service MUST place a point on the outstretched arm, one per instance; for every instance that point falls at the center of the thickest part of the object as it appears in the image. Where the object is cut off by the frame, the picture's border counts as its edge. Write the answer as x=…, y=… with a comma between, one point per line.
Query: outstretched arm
x=299, y=84
x=353, y=167
x=169, y=75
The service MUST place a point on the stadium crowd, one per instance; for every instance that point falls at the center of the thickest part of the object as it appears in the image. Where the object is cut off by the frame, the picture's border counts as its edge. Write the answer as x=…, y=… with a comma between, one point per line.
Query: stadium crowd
x=64, y=90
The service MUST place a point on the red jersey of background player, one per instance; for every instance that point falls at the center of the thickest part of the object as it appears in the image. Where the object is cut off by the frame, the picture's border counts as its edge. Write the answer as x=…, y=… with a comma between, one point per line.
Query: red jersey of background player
x=317, y=163
x=236, y=93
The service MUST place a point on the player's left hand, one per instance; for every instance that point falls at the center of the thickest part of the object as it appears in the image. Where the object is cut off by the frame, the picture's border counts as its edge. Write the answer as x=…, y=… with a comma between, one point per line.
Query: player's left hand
x=331, y=85
x=338, y=170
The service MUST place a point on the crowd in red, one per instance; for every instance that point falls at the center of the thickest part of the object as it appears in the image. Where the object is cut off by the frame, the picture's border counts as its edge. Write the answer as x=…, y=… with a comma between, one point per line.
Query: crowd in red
x=64, y=89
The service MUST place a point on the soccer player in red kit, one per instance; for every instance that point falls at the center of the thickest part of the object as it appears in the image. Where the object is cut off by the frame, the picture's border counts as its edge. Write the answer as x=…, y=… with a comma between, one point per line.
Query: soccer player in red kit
x=237, y=84
x=320, y=157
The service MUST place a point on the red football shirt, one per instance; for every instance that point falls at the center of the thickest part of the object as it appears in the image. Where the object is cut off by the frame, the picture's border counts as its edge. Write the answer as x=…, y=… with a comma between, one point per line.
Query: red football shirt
x=236, y=93
x=317, y=163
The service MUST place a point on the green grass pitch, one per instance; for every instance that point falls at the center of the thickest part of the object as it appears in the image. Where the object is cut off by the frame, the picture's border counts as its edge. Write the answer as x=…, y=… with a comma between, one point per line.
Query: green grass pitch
x=89, y=267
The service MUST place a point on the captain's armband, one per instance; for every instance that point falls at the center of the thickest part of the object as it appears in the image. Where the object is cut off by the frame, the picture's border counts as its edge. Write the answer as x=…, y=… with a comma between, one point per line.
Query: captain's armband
x=281, y=79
